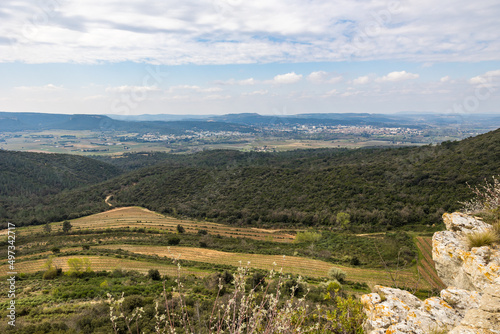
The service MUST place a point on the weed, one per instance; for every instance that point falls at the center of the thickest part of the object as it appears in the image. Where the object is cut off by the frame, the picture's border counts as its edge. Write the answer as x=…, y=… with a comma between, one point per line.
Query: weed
x=482, y=238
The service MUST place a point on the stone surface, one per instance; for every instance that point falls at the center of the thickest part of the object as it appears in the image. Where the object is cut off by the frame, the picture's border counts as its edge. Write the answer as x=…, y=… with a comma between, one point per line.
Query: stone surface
x=458, y=266
x=470, y=304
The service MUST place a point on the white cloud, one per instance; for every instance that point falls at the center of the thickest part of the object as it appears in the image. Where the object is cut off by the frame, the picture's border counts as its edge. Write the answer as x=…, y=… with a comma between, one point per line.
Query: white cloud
x=130, y=89
x=397, y=76
x=244, y=82
x=332, y=92
x=257, y=92
x=288, y=78
x=361, y=80
x=487, y=78
x=322, y=77
x=445, y=79
x=234, y=31
x=46, y=88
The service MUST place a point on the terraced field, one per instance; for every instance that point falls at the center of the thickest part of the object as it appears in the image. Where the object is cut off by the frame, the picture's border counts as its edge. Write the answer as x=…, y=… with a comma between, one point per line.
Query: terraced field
x=100, y=263
x=426, y=266
x=137, y=217
x=290, y=264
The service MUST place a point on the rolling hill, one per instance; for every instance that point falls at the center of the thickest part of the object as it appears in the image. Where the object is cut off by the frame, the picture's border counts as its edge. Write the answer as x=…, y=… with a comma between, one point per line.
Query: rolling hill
x=406, y=188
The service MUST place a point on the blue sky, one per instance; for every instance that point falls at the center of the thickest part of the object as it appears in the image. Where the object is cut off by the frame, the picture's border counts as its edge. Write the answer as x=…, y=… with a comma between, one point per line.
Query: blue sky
x=271, y=57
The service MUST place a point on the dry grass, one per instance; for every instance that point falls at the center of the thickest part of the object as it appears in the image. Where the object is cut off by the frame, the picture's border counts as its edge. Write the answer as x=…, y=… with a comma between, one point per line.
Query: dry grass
x=137, y=217
x=290, y=264
x=482, y=238
x=100, y=263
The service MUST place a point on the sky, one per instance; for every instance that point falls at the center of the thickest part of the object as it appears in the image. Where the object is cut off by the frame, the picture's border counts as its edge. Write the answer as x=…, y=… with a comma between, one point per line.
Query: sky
x=273, y=57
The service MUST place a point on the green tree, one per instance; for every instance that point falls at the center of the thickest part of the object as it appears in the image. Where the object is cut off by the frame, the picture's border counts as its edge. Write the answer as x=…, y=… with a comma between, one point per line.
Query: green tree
x=344, y=220
x=78, y=266
x=180, y=229
x=47, y=228
x=66, y=226
x=154, y=274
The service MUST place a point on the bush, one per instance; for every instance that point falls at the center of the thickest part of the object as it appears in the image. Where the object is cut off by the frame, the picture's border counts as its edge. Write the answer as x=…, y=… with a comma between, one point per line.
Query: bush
x=174, y=241
x=50, y=274
x=487, y=197
x=154, y=274
x=337, y=274
x=307, y=236
x=482, y=238
x=180, y=229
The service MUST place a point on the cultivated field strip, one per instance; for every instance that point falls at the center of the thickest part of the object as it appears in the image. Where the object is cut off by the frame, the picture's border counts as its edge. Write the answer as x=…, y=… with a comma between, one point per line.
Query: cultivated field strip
x=426, y=266
x=137, y=217
x=101, y=263
x=290, y=264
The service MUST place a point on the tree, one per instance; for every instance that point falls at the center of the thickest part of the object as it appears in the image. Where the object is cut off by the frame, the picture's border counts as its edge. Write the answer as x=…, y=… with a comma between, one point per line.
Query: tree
x=66, y=226
x=154, y=274
x=344, y=220
x=47, y=228
x=78, y=266
x=180, y=229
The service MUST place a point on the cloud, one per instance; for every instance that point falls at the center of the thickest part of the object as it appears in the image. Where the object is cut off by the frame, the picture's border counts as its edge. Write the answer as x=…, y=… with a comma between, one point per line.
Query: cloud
x=244, y=82
x=257, y=92
x=361, y=80
x=322, y=77
x=46, y=88
x=130, y=89
x=235, y=32
x=288, y=78
x=193, y=88
x=397, y=76
x=487, y=78
x=445, y=79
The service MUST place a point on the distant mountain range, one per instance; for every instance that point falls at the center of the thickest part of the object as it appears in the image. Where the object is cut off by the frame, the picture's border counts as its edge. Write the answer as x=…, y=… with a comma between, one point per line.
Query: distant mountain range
x=10, y=122
x=409, y=119
x=245, y=122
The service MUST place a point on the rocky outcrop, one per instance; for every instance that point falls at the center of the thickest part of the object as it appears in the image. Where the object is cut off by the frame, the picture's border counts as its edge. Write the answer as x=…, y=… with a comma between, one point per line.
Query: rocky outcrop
x=470, y=304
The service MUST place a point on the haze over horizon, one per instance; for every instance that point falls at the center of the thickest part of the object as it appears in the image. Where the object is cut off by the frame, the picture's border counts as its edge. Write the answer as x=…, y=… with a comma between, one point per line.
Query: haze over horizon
x=229, y=56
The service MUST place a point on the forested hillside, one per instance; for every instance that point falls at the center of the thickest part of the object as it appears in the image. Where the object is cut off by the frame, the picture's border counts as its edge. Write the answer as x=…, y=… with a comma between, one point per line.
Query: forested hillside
x=26, y=178
x=380, y=188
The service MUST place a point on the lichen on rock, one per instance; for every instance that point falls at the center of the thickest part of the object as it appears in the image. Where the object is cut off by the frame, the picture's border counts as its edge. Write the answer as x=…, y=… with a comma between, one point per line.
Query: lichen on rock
x=470, y=304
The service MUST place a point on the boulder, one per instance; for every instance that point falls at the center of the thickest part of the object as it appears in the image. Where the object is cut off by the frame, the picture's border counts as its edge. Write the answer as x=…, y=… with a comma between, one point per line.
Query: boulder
x=469, y=305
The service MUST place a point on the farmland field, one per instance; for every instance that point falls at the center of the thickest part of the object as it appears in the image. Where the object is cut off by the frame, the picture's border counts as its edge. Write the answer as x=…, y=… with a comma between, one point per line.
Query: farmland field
x=100, y=263
x=290, y=264
x=426, y=266
x=137, y=217
x=98, y=230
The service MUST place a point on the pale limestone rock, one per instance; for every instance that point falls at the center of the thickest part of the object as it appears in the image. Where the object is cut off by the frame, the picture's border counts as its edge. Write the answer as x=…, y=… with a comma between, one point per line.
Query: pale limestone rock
x=478, y=318
x=469, y=330
x=461, y=300
x=471, y=303
x=461, y=223
x=458, y=266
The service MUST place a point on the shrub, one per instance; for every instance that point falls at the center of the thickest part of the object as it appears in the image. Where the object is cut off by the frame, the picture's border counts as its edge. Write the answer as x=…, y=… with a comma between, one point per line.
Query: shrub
x=154, y=274
x=487, y=197
x=55, y=250
x=307, y=236
x=174, y=241
x=481, y=238
x=496, y=228
x=50, y=274
x=66, y=227
x=180, y=229
x=337, y=274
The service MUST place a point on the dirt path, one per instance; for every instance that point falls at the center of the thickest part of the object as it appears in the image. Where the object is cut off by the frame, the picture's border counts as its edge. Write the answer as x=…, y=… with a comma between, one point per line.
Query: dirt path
x=107, y=200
